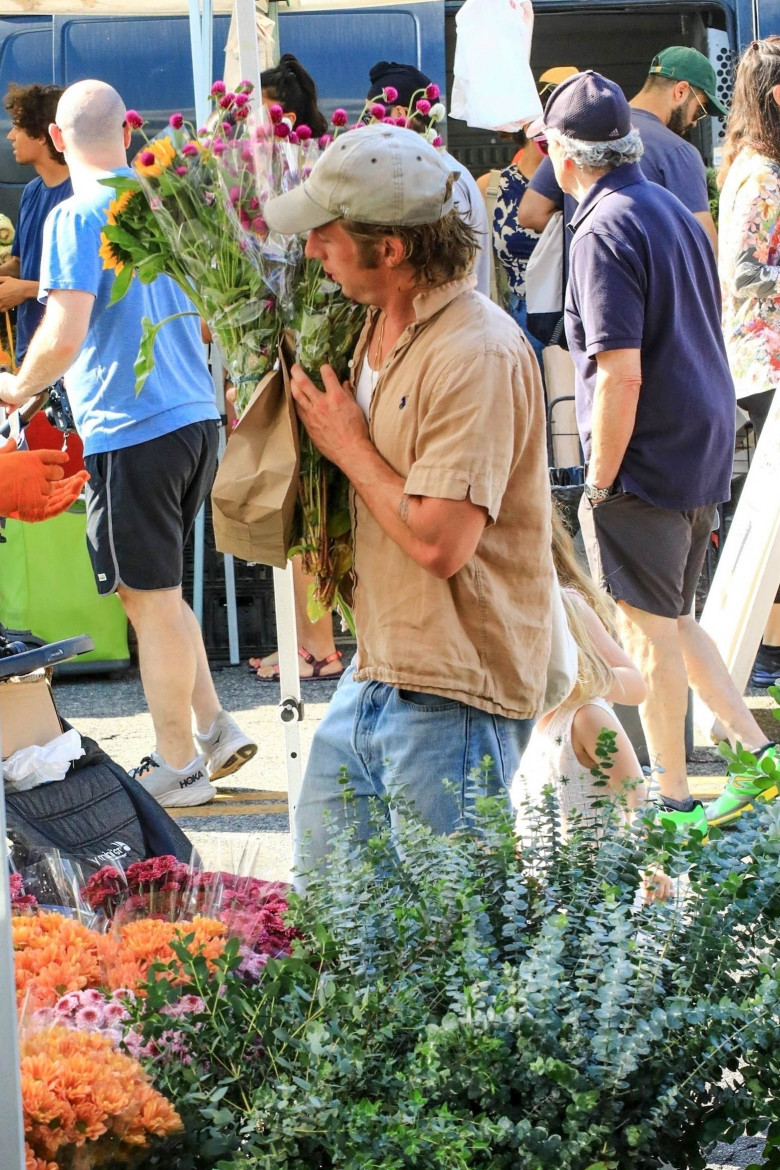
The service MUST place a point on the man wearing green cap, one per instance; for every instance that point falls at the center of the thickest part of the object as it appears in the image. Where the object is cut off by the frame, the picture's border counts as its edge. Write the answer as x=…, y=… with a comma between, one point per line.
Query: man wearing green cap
x=680, y=90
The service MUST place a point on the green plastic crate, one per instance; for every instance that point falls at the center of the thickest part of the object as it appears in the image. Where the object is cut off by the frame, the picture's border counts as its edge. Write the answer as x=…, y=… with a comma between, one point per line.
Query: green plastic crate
x=47, y=587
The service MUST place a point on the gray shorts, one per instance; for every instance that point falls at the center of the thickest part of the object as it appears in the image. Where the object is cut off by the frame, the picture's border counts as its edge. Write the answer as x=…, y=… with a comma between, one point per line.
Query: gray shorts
x=141, y=504
x=649, y=557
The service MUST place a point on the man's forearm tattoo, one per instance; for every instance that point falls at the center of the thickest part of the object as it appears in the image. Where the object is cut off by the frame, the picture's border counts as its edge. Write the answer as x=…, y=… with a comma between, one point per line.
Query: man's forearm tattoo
x=403, y=509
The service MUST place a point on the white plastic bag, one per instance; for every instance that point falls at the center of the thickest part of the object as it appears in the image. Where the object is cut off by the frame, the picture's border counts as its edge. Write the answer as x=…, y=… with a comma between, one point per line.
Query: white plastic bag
x=493, y=86
x=36, y=765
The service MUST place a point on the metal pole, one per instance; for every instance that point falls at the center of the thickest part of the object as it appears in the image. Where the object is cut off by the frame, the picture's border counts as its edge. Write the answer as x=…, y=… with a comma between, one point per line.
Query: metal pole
x=290, y=706
x=11, y=1113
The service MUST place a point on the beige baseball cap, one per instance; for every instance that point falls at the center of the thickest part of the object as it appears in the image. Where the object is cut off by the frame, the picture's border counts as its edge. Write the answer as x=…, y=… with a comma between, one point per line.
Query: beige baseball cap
x=379, y=174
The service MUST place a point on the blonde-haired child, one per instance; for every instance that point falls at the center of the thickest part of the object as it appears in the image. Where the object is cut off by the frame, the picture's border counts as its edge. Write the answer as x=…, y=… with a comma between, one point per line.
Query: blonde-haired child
x=562, y=749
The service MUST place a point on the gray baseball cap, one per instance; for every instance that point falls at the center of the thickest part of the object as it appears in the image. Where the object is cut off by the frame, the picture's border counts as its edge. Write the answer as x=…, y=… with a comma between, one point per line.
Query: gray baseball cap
x=379, y=174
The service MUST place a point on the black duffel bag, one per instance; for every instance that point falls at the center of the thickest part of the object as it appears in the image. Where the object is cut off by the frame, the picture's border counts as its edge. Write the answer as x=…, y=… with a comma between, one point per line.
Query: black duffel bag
x=98, y=815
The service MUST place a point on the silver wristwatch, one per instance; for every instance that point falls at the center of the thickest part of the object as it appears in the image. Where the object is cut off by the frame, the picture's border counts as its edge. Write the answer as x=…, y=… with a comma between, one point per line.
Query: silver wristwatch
x=595, y=495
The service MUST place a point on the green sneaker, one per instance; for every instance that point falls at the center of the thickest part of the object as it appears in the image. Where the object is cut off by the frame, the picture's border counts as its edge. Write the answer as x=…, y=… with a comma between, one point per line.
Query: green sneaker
x=693, y=821
x=742, y=791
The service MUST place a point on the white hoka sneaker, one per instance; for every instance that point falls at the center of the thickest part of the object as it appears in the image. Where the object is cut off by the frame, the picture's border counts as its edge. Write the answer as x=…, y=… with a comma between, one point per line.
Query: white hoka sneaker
x=175, y=787
x=225, y=746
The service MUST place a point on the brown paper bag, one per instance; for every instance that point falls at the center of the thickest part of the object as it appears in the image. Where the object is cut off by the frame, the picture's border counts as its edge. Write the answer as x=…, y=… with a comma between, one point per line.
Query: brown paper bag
x=254, y=494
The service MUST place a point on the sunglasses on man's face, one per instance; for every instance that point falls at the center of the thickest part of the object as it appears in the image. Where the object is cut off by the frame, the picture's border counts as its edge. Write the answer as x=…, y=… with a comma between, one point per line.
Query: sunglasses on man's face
x=703, y=112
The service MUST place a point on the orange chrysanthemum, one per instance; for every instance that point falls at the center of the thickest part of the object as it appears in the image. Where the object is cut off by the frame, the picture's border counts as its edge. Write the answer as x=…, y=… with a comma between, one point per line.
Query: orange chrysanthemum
x=128, y=954
x=79, y=1091
x=52, y=956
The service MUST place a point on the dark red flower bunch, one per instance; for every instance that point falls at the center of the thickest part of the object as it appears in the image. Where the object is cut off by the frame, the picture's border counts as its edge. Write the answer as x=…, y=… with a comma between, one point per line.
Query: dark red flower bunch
x=21, y=903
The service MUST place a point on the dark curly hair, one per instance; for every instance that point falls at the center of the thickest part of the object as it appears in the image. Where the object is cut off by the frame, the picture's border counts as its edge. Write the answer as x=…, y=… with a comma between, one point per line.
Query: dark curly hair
x=293, y=88
x=33, y=108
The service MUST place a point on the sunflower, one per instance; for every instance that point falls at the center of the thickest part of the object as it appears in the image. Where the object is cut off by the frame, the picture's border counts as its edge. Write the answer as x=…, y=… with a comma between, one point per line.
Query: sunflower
x=117, y=206
x=156, y=158
x=111, y=254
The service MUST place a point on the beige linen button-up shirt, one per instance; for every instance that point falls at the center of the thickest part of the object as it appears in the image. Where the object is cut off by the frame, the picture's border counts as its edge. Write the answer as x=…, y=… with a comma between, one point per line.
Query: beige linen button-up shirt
x=458, y=413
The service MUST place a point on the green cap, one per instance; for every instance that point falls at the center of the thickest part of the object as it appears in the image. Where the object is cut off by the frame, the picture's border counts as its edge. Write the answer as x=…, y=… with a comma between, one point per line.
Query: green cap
x=684, y=64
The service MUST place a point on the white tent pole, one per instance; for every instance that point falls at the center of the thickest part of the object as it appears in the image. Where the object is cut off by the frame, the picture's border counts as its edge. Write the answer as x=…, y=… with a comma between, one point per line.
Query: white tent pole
x=290, y=706
x=11, y=1114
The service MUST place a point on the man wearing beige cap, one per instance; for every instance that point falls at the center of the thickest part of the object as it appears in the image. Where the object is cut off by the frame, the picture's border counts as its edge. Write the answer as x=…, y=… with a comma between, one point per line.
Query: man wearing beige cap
x=441, y=432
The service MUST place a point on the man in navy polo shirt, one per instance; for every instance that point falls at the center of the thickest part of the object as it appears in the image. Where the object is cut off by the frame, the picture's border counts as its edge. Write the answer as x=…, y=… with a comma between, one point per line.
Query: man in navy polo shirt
x=681, y=89
x=655, y=411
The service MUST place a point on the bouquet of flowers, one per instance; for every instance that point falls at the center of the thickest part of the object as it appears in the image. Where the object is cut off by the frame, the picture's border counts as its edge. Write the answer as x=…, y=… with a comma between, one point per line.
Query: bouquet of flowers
x=194, y=210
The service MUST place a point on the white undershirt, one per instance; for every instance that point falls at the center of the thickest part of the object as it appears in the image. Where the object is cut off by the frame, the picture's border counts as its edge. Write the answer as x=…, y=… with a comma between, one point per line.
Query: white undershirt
x=366, y=385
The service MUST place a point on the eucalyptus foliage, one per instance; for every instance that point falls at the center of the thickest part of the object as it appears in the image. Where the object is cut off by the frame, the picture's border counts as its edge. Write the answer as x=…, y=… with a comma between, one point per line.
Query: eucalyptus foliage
x=471, y=1007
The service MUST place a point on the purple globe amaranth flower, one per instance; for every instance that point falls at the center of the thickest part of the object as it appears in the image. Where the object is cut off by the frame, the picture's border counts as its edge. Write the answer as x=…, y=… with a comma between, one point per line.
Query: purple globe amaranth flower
x=339, y=117
x=389, y=121
x=254, y=203
x=226, y=101
x=219, y=147
x=182, y=170
x=190, y=150
x=438, y=141
x=176, y=120
x=324, y=140
x=218, y=87
x=432, y=92
x=244, y=86
x=242, y=99
x=281, y=130
x=275, y=113
x=293, y=138
x=260, y=226
x=134, y=119
x=146, y=158
x=378, y=111
x=390, y=94
x=304, y=132
x=402, y=122
x=423, y=106
x=247, y=153
x=240, y=113
x=234, y=194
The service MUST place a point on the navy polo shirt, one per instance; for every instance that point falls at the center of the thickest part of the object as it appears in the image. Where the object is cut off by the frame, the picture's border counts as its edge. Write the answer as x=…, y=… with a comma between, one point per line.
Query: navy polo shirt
x=37, y=201
x=643, y=276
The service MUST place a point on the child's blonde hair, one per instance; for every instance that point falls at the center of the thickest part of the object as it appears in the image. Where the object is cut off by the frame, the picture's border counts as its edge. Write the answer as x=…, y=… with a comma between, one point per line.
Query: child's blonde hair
x=571, y=575
x=594, y=674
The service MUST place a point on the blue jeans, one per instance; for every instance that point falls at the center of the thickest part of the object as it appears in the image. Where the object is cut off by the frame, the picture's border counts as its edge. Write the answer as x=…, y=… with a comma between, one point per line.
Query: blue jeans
x=518, y=311
x=389, y=740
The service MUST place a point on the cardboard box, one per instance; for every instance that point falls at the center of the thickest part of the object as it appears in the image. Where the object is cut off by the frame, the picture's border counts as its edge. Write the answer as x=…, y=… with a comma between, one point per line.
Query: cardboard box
x=27, y=713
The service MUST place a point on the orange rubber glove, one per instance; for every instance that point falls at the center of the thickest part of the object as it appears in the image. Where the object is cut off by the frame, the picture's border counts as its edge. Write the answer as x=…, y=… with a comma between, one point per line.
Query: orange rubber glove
x=29, y=487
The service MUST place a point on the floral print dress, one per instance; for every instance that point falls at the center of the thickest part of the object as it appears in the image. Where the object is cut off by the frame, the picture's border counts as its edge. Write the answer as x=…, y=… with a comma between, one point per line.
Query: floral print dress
x=749, y=266
x=512, y=244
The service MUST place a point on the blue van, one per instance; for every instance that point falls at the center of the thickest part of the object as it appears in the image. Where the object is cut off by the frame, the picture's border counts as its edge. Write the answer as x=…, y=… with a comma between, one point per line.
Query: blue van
x=148, y=58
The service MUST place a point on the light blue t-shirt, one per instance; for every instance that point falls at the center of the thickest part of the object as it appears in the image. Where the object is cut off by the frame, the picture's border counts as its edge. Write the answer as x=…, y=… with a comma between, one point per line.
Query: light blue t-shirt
x=101, y=382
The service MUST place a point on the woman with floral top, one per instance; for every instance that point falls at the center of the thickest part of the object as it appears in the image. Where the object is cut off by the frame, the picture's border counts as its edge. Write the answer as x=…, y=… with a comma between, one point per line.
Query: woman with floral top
x=749, y=260
x=513, y=244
